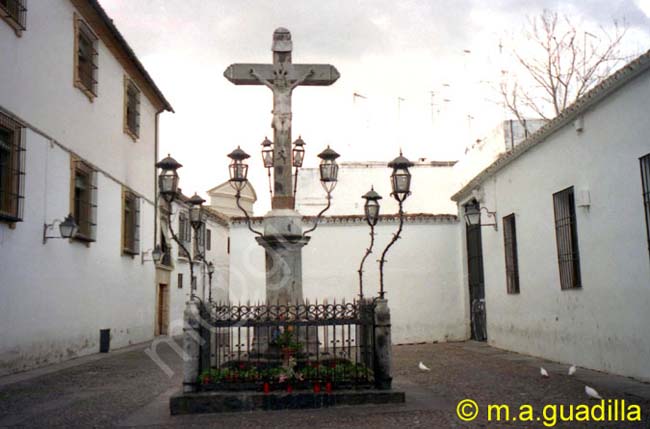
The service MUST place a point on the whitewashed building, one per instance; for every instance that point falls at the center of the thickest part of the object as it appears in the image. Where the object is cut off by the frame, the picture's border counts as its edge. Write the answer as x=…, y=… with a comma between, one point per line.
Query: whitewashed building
x=78, y=135
x=423, y=280
x=432, y=184
x=222, y=199
x=565, y=273
x=210, y=244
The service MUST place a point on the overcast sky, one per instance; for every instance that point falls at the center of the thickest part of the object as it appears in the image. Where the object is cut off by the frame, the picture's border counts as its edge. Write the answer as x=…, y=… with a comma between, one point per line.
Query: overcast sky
x=384, y=50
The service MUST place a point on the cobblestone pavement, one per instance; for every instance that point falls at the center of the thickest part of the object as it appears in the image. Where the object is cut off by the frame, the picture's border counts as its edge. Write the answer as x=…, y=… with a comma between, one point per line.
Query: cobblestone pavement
x=127, y=389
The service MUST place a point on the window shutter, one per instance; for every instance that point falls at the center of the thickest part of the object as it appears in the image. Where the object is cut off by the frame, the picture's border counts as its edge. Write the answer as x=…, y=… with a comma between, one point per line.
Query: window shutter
x=137, y=114
x=136, y=226
x=93, y=205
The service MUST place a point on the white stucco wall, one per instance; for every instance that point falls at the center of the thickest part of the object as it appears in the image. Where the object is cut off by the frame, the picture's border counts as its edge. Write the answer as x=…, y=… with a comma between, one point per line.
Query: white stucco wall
x=38, y=88
x=54, y=298
x=218, y=255
x=431, y=187
x=603, y=325
x=422, y=275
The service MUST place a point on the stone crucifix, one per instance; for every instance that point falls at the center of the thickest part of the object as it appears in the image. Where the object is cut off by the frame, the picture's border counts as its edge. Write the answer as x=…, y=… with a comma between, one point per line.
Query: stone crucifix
x=282, y=77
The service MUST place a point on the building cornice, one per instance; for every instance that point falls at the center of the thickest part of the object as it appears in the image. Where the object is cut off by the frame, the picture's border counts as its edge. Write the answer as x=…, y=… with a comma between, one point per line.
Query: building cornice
x=571, y=113
x=413, y=218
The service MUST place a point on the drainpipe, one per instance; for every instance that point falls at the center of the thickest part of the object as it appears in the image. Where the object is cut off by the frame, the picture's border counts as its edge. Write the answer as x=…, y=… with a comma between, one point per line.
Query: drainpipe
x=155, y=180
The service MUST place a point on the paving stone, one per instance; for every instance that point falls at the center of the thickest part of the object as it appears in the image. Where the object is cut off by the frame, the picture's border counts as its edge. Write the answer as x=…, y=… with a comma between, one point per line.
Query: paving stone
x=129, y=390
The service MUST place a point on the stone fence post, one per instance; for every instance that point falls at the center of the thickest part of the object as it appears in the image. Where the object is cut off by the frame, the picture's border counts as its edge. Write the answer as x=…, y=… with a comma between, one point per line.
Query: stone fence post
x=191, y=346
x=383, y=352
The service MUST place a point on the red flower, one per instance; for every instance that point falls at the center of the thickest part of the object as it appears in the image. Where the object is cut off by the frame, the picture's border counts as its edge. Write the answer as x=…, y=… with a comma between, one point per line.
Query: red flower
x=242, y=366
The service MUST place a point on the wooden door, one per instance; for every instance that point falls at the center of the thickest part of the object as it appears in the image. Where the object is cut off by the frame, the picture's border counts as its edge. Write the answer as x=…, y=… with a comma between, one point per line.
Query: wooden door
x=163, y=309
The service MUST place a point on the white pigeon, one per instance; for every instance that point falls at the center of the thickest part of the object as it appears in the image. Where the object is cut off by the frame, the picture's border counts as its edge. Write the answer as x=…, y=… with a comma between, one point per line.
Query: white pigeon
x=592, y=393
x=572, y=370
x=543, y=372
x=423, y=367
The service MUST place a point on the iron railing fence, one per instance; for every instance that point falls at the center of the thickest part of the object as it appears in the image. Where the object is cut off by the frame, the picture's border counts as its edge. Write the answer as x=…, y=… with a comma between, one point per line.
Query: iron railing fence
x=287, y=347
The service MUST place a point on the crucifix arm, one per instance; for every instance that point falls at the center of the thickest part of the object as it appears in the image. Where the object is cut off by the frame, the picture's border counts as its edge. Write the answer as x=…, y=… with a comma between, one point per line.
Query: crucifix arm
x=260, y=78
x=302, y=79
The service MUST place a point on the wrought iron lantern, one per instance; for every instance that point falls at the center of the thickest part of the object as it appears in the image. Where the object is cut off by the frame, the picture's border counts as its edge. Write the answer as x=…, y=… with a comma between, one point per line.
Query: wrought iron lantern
x=157, y=254
x=196, y=211
x=238, y=168
x=298, y=152
x=371, y=207
x=67, y=228
x=473, y=215
x=329, y=169
x=168, y=178
x=210, y=268
x=267, y=153
x=400, y=179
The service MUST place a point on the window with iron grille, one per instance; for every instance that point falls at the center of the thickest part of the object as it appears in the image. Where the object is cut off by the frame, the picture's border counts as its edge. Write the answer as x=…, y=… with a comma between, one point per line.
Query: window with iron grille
x=645, y=183
x=566, y=235
x=131, y=109
x=201, y=241
x=166, y=250
x=208, y=239
x=180, y=280
x=84, y=200
x=14, y=13
x=130, y=223
x=184, y=234
x=12, y=169
x=85, y=71
x=510, y=245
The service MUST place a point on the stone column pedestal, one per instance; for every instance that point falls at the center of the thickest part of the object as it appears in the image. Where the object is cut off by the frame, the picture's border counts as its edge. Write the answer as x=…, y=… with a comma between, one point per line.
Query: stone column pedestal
x=283, y=243
x=383, y=352
x=191, y=346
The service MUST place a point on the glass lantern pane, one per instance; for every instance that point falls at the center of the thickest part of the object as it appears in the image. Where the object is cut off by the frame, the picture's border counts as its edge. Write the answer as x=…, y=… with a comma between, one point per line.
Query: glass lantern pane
x=238, y=172
x=372, y=213
x=328, y=172
x=401, y=183
x=267, y=158
x=298, y=156
x=166, y=183
x=195, y=214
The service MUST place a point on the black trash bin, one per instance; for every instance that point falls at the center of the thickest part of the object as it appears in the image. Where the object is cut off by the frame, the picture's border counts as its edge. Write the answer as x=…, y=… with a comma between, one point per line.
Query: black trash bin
x=104, y=340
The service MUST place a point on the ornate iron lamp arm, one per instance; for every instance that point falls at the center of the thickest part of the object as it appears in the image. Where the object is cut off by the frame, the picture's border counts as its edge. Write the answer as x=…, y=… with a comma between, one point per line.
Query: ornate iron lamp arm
x=248, y=218
x=182, y=246
x=382, y=261
x=363, y=260
x=329, y=204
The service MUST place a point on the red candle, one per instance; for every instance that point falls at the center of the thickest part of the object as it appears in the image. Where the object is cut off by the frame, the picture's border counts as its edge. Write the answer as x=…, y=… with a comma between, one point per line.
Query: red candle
x=316, y=387
x=267, y=388
x=289, y=388
x=328, y=387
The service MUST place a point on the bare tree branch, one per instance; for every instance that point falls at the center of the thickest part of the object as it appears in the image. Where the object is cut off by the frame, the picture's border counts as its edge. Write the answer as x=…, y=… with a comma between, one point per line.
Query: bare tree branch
x=561, y=64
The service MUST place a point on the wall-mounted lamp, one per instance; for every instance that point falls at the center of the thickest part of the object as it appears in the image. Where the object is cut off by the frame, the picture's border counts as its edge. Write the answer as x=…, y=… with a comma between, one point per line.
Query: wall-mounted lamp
x=473, y=216
x=67, y=228
x=156, y=255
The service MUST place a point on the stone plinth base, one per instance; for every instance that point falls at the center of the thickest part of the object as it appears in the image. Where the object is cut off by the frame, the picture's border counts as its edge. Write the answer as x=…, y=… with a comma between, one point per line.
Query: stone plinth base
x=220, y=402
